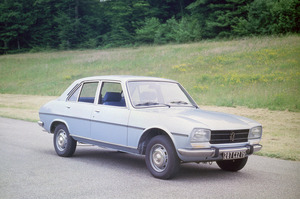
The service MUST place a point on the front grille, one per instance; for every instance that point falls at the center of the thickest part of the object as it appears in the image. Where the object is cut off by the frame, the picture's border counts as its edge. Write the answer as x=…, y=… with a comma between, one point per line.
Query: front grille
x=232, y=136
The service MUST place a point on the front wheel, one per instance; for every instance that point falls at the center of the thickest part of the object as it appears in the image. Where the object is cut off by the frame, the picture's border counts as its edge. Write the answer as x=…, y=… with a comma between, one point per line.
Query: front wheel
x=64, y=144
x=161, y=158
x=232, y=165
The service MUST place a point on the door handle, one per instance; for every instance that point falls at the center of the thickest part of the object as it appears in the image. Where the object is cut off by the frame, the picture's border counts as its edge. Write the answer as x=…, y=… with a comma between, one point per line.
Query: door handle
x=97, y=111
x=68, y=106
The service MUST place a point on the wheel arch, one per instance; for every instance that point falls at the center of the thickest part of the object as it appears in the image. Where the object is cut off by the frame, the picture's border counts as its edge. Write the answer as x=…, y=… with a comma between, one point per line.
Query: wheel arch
x=55, y=123
x=149, y=134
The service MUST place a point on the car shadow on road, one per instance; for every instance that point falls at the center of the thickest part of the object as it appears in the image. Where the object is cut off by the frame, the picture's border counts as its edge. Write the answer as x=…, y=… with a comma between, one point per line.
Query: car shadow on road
x=207, y=172
x=136, y=163
x=107, y=157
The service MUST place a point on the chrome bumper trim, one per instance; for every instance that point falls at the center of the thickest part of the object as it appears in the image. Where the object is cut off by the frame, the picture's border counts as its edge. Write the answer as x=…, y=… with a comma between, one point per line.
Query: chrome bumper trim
x=194, y=153
x=40, y=123
x=214, y=152
x=234, y=149
x=256, y=147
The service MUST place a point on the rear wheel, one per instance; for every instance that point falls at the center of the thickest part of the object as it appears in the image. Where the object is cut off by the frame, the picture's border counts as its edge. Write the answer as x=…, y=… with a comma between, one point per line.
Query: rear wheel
x=232, y=165
x=161, y=158
x=64, y=144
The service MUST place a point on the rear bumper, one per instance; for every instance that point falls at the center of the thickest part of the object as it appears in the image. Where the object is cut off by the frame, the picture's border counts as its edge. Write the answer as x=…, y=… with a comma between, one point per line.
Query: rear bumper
x=40, y=123
x=215, y=153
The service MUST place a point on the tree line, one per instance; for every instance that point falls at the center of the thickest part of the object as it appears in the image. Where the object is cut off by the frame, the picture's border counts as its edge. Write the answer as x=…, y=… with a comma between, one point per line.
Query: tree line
x=70, y=24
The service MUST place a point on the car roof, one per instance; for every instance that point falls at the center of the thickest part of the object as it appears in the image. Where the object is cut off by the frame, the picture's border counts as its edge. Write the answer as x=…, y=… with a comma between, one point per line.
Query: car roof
x=124, y=78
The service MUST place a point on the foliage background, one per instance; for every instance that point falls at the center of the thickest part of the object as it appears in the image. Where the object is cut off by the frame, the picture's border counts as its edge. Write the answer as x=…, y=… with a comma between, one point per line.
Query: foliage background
x=71, y=24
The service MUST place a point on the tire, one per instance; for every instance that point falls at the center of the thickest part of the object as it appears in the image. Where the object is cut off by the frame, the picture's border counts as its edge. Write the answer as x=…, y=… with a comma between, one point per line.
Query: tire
x=232, y=165
x=64, y=144
x=161, y=158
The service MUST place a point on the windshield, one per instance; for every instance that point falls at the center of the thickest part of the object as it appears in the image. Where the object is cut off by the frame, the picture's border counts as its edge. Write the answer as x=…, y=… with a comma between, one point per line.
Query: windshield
x=147, y=93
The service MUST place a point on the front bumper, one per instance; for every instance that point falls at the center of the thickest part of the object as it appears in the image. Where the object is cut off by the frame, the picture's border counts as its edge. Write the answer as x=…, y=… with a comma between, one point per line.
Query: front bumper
x=214, y=153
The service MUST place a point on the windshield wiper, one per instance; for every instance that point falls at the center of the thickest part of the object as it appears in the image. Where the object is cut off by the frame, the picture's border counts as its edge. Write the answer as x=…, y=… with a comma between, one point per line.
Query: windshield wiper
x=184, y=103
x=178, y=102
x=152, y=104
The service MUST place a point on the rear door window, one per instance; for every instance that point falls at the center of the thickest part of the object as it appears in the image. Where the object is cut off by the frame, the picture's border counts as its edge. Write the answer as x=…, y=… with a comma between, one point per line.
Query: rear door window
x=88, y=92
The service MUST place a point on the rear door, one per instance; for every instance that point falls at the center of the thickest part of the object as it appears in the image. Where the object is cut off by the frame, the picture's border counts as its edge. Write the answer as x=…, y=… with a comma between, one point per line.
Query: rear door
x=79, y=107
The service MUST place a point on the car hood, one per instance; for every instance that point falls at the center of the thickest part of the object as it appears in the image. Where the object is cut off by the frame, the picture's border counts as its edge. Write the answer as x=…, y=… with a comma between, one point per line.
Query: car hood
x=208, y=119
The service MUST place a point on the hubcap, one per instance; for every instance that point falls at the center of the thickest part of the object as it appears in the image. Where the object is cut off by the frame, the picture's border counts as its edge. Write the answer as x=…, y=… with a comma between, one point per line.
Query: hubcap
x=61, y=140
x=159, y=158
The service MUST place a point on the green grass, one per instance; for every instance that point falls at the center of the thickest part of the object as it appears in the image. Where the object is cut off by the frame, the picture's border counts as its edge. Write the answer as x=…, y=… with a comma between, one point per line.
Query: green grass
x=253, y=72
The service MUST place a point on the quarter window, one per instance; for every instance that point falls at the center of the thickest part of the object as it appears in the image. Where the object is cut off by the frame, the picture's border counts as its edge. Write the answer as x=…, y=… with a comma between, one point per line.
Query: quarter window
x=74, y=96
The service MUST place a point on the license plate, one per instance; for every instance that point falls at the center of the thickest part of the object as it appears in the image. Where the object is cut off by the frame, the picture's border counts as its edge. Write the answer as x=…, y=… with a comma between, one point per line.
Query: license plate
x=234, y=155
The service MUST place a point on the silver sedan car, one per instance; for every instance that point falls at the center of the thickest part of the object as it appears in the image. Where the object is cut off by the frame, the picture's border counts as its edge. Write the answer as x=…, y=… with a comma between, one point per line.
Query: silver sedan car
x=149, y=116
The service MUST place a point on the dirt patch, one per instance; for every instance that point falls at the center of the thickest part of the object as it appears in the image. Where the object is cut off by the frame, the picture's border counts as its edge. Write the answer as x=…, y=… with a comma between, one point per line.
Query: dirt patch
x=25, y=107
x=281, y=134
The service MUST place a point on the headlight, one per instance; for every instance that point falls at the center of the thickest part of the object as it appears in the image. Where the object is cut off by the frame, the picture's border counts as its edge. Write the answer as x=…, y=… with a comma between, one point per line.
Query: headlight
x=255, y=133
x=200, y=135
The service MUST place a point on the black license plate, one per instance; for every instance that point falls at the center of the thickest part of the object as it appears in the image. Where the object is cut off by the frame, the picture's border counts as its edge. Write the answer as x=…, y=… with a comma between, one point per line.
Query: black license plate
x=234, y=155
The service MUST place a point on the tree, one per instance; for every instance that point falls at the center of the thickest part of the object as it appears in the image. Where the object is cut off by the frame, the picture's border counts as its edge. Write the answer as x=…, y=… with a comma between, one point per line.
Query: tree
x=265, y=17
x=123, y=17
x=15, y=21
x=43, y=33
x=166, y=9
x=68, y=24
x=286, y=15
x=218, y=17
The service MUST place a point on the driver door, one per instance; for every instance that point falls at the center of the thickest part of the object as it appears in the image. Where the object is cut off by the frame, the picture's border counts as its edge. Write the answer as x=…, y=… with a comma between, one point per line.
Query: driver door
x=110, y=116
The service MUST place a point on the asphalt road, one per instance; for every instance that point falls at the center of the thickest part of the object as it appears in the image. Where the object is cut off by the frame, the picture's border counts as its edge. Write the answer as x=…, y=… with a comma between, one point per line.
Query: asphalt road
x=30, y=168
